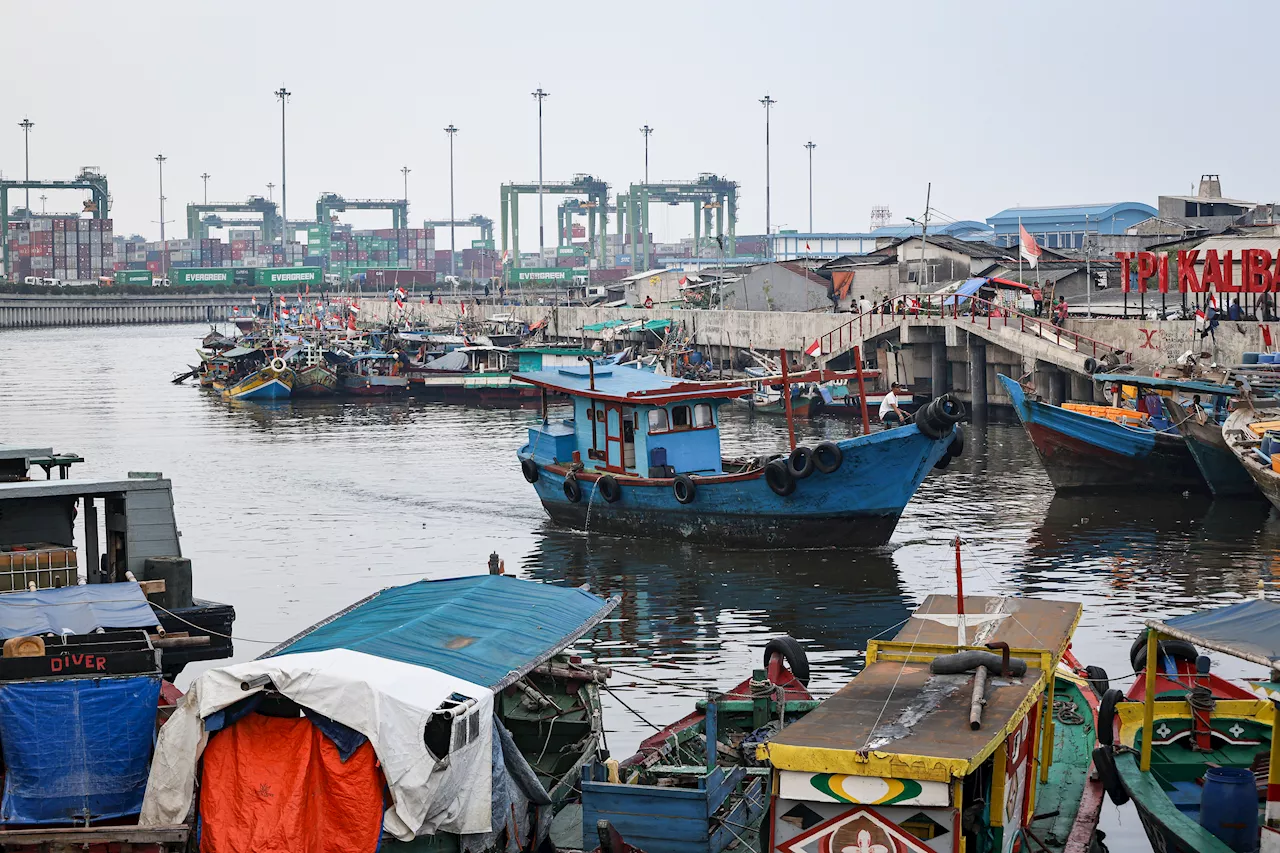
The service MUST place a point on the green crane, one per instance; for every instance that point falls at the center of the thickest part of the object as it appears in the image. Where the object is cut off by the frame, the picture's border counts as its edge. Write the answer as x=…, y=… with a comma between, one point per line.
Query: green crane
x=88, y=179
x=198, y=224
x=330, y=203
x=708, y=193
x=596, y=191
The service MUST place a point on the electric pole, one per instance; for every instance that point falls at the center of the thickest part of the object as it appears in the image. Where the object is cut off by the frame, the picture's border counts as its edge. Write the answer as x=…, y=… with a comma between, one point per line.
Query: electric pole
x=453, y=249
x=283, y=94
x=811, y=145
x=205, y=178
x=540, y=95
x=26, y=124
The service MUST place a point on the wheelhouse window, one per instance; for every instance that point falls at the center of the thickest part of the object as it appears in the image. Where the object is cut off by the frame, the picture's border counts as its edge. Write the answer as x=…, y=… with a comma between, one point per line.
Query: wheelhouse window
x=658, y=420
x=702, y=416
x=680, y=418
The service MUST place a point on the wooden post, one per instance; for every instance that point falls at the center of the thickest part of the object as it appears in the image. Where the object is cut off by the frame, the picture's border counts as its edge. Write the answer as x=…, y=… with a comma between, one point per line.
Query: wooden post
x=1046, y=750
x=960, y=627
x=978, y=699
x=1149, y=700
x=862, y=390
x=786, y=399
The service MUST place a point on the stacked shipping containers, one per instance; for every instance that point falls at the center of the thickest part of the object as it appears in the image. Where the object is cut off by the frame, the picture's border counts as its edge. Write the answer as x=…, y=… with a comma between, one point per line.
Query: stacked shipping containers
x=61, y=247
x=342, y=251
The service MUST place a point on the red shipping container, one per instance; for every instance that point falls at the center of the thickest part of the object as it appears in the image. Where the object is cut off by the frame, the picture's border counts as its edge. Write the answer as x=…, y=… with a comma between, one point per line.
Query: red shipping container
x=237, y=255
x=154, y=266
x=239, y=245
x=362, y=256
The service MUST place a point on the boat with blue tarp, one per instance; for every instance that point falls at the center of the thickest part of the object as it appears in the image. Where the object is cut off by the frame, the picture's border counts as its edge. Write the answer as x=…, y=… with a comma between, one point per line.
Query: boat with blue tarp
x=641, y=457
x=1085, y=447
x=459, y=699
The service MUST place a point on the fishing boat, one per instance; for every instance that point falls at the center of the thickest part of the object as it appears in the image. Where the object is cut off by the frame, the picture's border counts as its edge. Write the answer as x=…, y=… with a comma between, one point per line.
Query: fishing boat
x=1084, y=447
x=482, y=374
x=697, y=785
x=641, y=457
x=373, y=374
x=274, y=381
x=962, y=733
x=460, y=697
x=1250, y=434
x=1198, y=779
x=314, y=375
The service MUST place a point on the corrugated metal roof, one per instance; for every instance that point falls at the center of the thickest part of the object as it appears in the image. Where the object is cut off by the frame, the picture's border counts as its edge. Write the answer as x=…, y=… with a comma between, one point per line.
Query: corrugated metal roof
x=487, y=629
x=1067, y=211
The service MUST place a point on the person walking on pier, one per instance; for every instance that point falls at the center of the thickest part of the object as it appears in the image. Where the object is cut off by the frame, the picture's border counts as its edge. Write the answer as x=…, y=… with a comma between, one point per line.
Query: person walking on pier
x=1061, y=312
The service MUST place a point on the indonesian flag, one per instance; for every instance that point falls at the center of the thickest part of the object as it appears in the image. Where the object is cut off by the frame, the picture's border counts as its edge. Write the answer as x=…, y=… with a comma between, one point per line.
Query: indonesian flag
x=308, y=289
x=1027, y=247
x=684, y=279
x=282, y=302
x=399, y=304
x=254, y=299
x=355, y=307
x=235, y=309
x=351, y=323
x=806, y=245
x=504, y=256
x=317, y=319
x=814, y=349
x=463, y=306
x=400, y=292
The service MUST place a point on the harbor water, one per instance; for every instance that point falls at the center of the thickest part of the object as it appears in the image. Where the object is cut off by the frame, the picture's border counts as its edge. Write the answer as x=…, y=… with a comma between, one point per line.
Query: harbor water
x=293, y=511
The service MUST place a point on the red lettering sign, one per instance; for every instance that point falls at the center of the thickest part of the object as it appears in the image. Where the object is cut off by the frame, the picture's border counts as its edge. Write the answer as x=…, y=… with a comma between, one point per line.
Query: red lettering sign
x=1124, y=269
x=1187, y=280
x=1218, y=273
x=1162, y=272
x=55, y=664
x=100, y=663
x=1257, y=274
x=1146, y=269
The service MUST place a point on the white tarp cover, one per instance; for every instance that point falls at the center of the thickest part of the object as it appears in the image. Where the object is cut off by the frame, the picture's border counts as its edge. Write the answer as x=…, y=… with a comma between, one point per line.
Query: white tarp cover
x=387, y=701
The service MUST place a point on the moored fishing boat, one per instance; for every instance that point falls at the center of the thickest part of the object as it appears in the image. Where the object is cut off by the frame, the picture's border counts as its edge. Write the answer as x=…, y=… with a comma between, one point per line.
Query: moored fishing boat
x=482, y=374
x=1211, y=756
x=1114, y=449
x=373, y=374
x=314, y=375
x=941, y=745
x=274, y=381
x=641, y=457
x=1247, y=433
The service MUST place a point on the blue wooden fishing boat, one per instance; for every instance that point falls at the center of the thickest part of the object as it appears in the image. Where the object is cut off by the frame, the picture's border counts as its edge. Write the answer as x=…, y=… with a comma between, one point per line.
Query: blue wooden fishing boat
x=641, y=457
x=1082, y=451
x=272, y=382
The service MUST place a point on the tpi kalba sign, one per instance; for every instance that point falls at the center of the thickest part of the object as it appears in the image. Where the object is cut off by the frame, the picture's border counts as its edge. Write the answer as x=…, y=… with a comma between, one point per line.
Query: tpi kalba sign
x=1259, y=272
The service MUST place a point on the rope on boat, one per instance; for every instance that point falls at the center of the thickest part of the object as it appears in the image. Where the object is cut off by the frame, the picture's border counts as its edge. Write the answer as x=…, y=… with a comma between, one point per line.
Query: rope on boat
x=639, y=716
x=213, y=632
x=1066, y=712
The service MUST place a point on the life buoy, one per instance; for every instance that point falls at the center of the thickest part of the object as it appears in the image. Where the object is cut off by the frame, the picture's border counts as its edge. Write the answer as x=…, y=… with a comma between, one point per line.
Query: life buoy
x=1107, y=715
x=572, y=490
x=684, y=488
x=609, y=488
x=827, y=457
x=529, y=469
x=1105, y=763
x=800, y=463
x=278, y=365
x=778, y=475
x=793, y=653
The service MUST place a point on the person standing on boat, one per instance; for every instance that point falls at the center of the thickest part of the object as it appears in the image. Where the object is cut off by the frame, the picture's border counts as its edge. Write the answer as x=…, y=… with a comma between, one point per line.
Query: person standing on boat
x=890, y=415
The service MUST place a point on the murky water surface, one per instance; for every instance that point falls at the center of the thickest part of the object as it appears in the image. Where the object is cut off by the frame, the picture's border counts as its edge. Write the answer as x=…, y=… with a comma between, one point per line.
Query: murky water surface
x=293, y=511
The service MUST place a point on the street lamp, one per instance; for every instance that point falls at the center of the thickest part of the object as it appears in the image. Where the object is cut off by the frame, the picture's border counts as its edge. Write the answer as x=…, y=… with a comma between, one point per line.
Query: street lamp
x=205, y=178
x=453, y=263
x=646, y=130
x=539, y=95
x=811, y=145
x=405, y=170
x=271, y=191
x=26, y=124
x=164, y=247
x=42, y=200
x=768, y=103
x=283, y=94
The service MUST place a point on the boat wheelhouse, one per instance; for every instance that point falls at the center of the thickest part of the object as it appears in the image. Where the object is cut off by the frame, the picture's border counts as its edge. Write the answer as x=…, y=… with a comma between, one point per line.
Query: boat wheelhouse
x=482, y=374
x=641, y=457
x=373, y=374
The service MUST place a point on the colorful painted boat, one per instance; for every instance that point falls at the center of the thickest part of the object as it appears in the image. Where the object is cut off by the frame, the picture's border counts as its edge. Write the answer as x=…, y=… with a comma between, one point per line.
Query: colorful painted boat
x=941, y=745
x=316, y=380
x=373, y=374
x=1205, y=731
x=641, y=457
x=1082, y=452
x=272, y=382
x=1245, y=431
x=697, y=785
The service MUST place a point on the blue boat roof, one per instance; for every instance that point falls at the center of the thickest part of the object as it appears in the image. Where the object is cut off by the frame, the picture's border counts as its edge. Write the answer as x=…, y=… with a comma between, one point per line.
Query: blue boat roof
x=487, y=629
x=624, y=384
x=1249, y=630
x=1170, y=383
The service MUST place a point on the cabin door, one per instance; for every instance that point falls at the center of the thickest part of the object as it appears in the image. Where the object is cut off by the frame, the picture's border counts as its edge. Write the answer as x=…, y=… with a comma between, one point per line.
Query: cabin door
x=613, y=435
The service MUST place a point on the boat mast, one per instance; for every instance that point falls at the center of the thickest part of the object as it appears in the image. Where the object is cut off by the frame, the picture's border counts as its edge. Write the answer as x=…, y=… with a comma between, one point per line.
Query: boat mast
x=960, y=641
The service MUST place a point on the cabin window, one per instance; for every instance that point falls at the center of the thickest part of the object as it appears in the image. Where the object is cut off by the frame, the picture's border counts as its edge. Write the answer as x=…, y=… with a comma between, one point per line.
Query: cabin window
x=702, y=416
x=658, y=420
x=680, y=417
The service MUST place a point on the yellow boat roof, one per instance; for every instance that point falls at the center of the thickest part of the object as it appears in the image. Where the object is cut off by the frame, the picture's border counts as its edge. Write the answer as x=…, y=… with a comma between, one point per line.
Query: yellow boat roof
x=896, y=719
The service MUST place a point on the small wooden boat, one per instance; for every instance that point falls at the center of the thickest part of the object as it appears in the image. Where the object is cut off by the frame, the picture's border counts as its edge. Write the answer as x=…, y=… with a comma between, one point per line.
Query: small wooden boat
x=272, y=382
x=1211, y=757
x=697, y=785
x=1246, y=433
x=1081, y=450
x=374, y=374
x=315, y=377
x=641, y=457
x=939, y=744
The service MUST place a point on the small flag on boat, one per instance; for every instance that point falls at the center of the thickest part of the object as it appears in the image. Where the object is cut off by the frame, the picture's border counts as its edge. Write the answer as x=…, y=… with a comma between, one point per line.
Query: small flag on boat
x=504, y=256
x=814, y=349
x=282, y=302
x=399, y=304
x=308, y=290
x=1028, y=248
x=463, y=306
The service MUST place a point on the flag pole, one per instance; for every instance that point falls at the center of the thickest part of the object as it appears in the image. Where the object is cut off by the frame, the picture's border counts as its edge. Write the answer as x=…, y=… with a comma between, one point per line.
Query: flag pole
x=1020, y=279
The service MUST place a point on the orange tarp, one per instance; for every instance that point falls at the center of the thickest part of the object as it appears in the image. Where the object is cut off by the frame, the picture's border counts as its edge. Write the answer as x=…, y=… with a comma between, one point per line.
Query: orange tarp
x=275, y=785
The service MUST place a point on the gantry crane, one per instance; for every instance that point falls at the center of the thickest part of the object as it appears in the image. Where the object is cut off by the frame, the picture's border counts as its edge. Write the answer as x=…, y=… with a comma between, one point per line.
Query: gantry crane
x=90, y=178
x=198, y=224
x=570, y=208
x=708, y=193
x=596, y=191
x=484, y=223
x=330, y=203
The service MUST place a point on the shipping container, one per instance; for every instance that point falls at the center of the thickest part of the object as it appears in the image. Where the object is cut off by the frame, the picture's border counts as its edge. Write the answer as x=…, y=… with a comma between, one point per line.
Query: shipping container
x=142, y=277
x=200, y=276
x=289, y=277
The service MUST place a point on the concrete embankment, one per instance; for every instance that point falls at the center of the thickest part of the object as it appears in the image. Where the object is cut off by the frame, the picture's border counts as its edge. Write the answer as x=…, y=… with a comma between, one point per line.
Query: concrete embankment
x=28, y=311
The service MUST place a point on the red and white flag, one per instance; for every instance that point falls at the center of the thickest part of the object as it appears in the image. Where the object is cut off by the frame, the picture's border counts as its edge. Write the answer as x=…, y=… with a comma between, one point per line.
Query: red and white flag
x=814, y=349
x=400, y=292
x=463, y=306
x=254, y=299
x=1027, y=247
x=399, y=304
x=684, y=279
x=806, y=245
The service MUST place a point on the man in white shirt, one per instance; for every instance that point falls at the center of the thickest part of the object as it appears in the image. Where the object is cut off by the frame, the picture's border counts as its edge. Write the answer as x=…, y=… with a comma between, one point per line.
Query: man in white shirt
x=890, y=414
x=864, y=305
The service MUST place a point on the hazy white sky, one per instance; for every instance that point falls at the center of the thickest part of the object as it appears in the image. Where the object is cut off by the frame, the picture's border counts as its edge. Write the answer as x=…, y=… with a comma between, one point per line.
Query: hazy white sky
x=996, y=103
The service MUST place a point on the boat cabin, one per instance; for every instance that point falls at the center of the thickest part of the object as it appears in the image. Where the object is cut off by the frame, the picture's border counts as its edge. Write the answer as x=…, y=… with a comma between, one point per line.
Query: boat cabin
x=893, y=761
x=629, y=421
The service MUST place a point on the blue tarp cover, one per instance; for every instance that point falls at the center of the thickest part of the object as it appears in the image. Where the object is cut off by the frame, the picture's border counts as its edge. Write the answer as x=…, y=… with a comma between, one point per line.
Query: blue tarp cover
x=1250, y=627
x=965, y=290
x=488, y=630
x=77, y=747
x=75, y=610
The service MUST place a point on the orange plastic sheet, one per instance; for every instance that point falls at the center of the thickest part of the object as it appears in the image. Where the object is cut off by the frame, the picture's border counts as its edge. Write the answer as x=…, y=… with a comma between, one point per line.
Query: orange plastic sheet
x=275, y=785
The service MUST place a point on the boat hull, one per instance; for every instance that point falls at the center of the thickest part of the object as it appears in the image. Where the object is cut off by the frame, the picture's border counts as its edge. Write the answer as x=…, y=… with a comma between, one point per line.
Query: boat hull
x=265, y=384
x=1234, y=431
x=318, y=380
x=1084, y=453
x=857, y=505
x=1218, y=465
x=475, y=389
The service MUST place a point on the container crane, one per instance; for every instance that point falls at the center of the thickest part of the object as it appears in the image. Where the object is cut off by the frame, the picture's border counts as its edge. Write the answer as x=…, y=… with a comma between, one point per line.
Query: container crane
x=596, y=191
x=708, y=193
x=90, y=178
x=331, y=203
x=198, y=224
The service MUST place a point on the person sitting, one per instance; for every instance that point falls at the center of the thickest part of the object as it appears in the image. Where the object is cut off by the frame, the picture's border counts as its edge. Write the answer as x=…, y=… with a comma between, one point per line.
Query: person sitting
x=890, y=415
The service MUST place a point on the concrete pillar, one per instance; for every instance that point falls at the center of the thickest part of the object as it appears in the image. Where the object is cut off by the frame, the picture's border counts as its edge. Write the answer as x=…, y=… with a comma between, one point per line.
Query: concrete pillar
x=978, y=377
x=1057, y=387
x=1081, y=388
x=940, y=372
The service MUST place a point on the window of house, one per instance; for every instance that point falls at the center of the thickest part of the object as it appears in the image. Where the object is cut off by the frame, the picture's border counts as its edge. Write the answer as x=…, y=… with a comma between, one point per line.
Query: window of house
x=1051, y=241
x=680, y=417
x=658, y=420
x=702, y=415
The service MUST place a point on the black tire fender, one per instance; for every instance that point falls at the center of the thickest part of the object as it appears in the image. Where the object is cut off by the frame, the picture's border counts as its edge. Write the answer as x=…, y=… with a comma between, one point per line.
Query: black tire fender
x=800, y=462
x=529, y=469
x=956, y=448
x=943, y=462
x=1105, y=763
x=828, y=457
x=1091, y=366
x=1099, y=681
x=572, y=490
x=1107, y=715
x=609, y=488
x=817, y=405
x=793, y=653
x=778, y=475
x=684, y=488
x=1179, y=650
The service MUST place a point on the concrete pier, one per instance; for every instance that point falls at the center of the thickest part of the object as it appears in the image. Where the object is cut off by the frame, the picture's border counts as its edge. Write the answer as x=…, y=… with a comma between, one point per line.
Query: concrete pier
x=22, y=311
x=978, y=398
x=941, y=369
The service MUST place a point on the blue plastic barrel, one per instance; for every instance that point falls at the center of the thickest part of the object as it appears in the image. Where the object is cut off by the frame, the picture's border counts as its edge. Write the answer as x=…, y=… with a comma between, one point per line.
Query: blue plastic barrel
x=1229, y=807
x=1250, y=358
x=1266, y=358
x=1265, y=446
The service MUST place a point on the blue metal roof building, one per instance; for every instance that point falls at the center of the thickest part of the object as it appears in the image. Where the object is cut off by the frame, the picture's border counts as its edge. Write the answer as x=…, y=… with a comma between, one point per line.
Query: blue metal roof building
x=1064, y=226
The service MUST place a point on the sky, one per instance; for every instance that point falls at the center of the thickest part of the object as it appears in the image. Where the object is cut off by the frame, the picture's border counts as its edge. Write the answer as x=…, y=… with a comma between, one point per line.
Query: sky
x=996, y=103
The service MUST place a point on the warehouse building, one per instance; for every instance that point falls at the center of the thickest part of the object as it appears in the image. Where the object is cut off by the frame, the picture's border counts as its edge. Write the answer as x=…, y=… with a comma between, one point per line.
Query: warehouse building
x=1065, y=226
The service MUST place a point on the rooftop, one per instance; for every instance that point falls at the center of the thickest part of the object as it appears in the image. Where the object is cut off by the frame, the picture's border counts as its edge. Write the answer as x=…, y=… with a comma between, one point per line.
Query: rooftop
x=1029, y=215
x=627, y=385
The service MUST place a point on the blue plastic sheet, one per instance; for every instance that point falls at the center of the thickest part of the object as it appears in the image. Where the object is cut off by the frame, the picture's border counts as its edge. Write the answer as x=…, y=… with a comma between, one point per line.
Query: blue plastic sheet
x=1249, y=627
x=75, y=610
x=76, y=748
